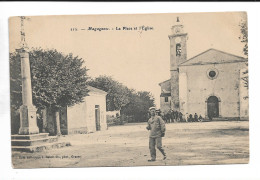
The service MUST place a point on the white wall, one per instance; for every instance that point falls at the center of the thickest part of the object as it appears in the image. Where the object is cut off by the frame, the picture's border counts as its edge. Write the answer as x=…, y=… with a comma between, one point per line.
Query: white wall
x=244, y=103
x=225, y=87
x=76, y=118
x=183, y=93
x=92, y=100
x=81, y=117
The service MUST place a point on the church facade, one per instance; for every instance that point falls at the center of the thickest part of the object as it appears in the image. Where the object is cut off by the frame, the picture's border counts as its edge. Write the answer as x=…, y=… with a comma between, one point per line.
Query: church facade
x=209, y=84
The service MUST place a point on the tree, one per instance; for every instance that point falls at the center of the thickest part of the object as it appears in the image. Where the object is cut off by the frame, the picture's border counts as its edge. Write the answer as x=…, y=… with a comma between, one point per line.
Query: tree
x=244, y=39
x=139, y=104
x=58, y=80
x=120, y=97
x=244, y=36
x=117, y=93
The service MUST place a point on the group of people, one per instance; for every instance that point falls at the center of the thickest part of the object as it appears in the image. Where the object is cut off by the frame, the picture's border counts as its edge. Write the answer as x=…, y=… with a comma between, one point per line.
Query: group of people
x=177, y=116
x=195, y=118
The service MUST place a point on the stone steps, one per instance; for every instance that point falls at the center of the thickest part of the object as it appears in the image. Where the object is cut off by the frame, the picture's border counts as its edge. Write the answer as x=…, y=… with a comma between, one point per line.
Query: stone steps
x=31, y=136
x=32, y=142
x=42, y=147
x=36, y=142
x=226, y=119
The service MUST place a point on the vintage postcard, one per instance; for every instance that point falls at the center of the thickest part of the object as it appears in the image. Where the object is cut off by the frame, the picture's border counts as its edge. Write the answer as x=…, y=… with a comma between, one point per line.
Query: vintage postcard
x=129, y=90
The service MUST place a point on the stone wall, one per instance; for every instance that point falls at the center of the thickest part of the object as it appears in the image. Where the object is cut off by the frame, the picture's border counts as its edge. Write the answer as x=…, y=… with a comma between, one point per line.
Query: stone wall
x=174, y=63
x=165, y=106
x=176, y=60
x=183, y=92
x=175, y=90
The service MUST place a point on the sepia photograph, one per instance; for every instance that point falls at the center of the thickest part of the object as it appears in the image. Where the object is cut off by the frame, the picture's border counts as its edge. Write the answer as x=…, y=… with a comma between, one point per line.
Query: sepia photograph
x=124, y=90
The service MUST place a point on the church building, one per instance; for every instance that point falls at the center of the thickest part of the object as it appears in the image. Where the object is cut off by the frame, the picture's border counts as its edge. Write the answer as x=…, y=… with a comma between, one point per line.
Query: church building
x=209, y=84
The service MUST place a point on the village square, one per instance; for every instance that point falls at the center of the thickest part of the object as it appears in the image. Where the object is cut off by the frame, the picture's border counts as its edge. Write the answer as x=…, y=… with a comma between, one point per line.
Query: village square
x=200, y=143
x=61, y=117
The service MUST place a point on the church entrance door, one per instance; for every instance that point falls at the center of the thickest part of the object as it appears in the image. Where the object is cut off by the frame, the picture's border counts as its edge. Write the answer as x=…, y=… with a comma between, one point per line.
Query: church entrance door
x=213, y=106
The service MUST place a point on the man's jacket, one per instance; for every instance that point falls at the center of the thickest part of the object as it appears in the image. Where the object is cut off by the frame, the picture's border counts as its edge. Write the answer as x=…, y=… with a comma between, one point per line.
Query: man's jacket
x=156, y=126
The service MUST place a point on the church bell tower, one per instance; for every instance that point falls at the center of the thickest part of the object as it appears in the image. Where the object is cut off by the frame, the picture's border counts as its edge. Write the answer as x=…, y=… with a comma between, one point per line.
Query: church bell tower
x=178, y=55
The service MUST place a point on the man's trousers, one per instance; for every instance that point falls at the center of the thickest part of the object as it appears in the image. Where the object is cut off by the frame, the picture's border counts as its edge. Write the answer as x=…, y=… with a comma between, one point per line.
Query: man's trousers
x=158, y=142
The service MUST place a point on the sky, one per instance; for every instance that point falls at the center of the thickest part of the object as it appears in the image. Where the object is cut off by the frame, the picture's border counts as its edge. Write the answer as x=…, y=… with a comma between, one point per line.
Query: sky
x=137, y=58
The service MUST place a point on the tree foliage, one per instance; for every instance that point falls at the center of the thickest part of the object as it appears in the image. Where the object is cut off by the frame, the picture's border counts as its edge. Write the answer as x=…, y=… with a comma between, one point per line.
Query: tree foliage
x=138, y=106
x=244, y=39
x=116, y=92
x=244, y=36
x=58, y=80
x=120, y=97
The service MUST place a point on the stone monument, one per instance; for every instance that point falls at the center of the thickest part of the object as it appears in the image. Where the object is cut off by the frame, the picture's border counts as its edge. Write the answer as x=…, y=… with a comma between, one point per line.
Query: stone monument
x=28, y=121
x=29, y=138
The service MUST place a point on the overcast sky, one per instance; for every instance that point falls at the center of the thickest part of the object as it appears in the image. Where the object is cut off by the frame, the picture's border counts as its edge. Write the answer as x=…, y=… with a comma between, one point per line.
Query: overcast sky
x=138, y=59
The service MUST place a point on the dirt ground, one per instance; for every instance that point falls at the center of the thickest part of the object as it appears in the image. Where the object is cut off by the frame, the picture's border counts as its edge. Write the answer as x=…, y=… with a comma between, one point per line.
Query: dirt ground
x=222, y=142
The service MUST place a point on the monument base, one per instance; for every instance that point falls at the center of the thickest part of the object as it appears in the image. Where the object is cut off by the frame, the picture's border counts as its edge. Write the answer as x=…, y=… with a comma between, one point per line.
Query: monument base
x=28, y=120
x=28, y=130
x=36, y=142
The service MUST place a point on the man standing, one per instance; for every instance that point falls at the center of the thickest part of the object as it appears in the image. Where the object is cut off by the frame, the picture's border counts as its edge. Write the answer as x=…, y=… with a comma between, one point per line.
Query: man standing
x=186, y=117
x=196, y=117
x=157, y=130
x=180, y=116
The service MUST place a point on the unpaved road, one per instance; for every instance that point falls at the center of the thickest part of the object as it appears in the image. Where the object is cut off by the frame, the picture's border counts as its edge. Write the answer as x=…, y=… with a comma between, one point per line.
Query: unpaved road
x=223, y=142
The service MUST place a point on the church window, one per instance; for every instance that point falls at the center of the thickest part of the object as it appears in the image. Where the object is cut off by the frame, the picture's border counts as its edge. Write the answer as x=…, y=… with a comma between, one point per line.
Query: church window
x=178, y=49
x=212, y=73
x=166, y=99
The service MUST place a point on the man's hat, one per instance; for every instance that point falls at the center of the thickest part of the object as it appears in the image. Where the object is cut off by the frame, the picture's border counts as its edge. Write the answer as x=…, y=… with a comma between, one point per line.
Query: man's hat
x=152, y=108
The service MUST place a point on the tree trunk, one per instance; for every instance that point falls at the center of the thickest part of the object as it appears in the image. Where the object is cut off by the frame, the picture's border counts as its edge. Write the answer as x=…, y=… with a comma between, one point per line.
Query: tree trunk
x=57, y=119
x=44, y=119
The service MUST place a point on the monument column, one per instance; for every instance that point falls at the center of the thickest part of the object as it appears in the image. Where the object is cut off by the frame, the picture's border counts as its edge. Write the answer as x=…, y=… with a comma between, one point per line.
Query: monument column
x=28, y=121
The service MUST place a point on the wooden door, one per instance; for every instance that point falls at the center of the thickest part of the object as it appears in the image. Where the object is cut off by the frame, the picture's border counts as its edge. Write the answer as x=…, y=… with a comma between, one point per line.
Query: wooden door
x=213, y=106
x=97, y=117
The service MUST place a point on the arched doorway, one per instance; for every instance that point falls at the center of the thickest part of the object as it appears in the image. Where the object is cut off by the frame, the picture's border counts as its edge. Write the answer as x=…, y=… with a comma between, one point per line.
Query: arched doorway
x=213, y=106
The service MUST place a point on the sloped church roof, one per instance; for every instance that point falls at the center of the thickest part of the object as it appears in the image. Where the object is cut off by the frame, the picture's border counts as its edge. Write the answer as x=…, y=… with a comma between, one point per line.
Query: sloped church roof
x=212, y=56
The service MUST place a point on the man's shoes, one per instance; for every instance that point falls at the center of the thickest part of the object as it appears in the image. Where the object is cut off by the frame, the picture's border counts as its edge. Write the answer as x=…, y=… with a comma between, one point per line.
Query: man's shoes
x=164, y=157
x=150, y=160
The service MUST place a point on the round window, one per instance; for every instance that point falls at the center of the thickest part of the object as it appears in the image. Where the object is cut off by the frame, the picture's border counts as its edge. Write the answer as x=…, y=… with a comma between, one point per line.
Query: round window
x=212, y=73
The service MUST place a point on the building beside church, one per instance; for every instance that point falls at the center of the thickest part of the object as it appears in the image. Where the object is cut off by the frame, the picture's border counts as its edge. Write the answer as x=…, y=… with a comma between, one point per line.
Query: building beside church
x=86, y=117
x=209, y=84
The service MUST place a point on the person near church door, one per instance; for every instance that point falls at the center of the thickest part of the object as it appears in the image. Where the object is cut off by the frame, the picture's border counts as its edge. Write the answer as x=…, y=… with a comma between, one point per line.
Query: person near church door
x=186, y=117
x=190, y=118
x=196, y=117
